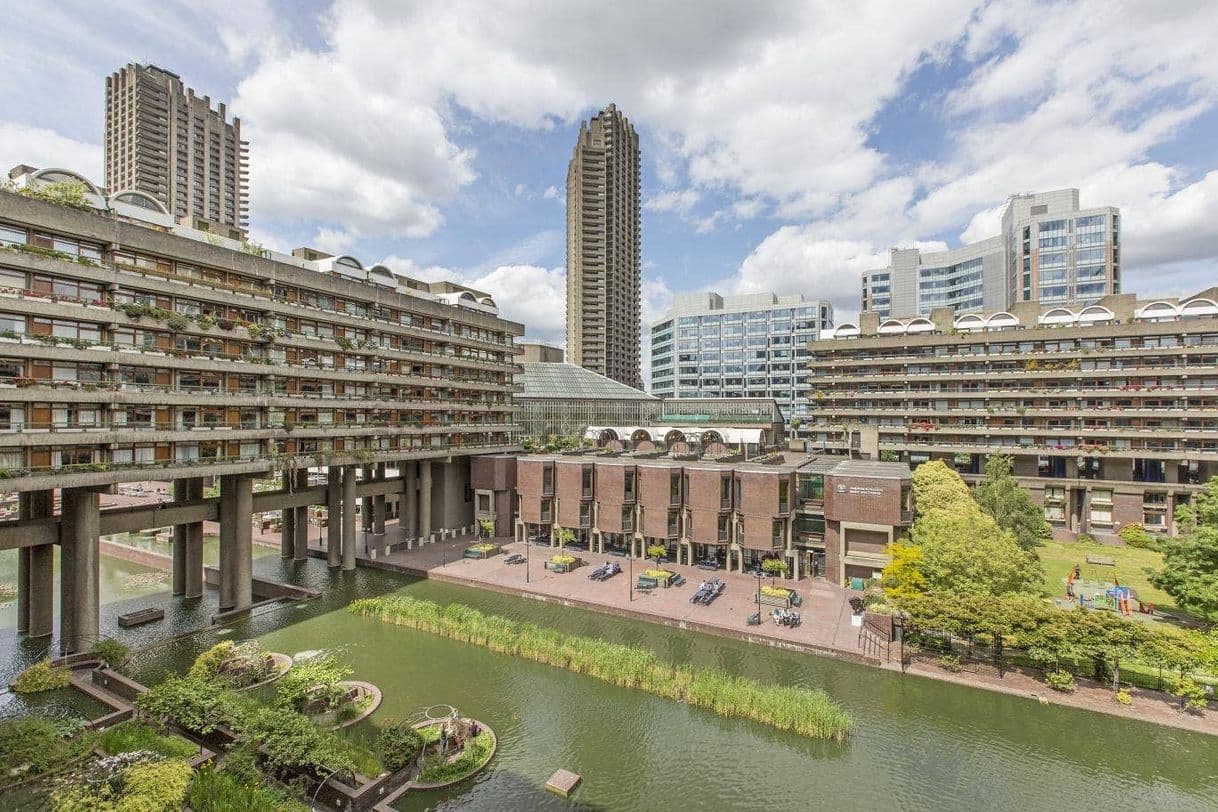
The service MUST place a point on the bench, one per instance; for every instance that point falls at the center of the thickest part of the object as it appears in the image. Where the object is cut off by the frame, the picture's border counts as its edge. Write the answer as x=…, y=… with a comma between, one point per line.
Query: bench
x=1102, y=560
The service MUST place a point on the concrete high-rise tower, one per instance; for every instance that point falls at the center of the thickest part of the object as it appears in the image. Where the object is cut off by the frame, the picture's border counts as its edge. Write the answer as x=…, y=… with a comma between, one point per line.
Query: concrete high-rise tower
x=603, y=249
x=163, y=140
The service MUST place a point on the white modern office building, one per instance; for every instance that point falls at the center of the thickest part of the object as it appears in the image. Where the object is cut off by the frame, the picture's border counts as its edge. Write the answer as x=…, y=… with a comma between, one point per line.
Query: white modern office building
x=748, y=346
x=1050, y=251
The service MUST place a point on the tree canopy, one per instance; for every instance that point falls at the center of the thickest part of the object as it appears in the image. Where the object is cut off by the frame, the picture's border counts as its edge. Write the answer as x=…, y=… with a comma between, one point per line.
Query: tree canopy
x=1001, y=496
x=961, y=548
x=1190, y=562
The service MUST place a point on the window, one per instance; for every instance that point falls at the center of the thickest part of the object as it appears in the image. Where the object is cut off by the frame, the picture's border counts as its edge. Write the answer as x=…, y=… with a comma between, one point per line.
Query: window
x=784, y=495
x=547, y=480
x=725, y=492
x=724, y=527
x=630, y=486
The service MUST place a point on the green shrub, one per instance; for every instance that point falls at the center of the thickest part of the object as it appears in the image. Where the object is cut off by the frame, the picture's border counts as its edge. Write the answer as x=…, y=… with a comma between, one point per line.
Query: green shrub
x=316, y=677
x=1123, y=697
x=195, y=704
x=134, y=736
x=1060, y=681
x=41, y=676
x=223, y=791
x=110, y=651
x=34, y=745
x=1085, y=539
x=290, y=740
x=239, y=665
x=1191, y=694
x=1135, y=535
x=477, y=751
x=142, y=786
x=176, y=322
x=950, y=662
x=400, y=745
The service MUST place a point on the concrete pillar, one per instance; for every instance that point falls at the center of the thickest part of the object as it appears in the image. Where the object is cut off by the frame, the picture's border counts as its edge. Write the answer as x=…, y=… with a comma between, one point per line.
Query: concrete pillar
x=287, y=520
x=236, y=542
x=408, y=514
x=425, y=499
x=365, y=513
x=378, y=515
x=334, y=515
x=188, y=543
x=378, y=505
x=35, y=570
x=349, y=517
x=79, y=526
x=300, y=526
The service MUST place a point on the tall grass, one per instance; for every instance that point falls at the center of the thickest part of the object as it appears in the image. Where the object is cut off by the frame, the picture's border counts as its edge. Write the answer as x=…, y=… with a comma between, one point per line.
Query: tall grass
x=808, y=712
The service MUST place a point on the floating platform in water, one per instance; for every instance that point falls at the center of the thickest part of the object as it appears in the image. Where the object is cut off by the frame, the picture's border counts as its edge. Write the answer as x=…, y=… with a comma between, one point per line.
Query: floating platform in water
x=563, y=782
x=139, y=618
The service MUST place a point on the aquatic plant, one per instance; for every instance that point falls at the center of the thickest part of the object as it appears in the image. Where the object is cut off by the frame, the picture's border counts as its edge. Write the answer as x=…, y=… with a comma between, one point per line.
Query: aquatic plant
x=41, y=676
x=808, y=712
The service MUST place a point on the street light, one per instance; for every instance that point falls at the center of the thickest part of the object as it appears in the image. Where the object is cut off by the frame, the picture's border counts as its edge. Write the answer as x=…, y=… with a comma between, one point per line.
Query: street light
x=630, y=566
x=528, y=545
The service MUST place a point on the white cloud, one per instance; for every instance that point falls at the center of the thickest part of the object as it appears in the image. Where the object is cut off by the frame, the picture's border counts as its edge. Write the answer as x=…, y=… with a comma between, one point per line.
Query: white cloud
x=678, y=201
x=550, y=193
x=41, y=148
x=530, y=294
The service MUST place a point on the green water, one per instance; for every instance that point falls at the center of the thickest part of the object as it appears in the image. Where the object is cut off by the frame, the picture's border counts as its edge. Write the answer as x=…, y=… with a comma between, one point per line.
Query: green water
x=917, y=743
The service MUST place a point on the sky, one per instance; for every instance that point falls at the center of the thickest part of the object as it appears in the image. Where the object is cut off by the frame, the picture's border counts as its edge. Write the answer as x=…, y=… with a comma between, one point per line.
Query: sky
x=786, y=146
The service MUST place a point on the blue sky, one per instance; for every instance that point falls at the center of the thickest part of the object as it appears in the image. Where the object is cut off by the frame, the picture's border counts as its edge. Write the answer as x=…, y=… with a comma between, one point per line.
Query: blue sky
x=786, y=145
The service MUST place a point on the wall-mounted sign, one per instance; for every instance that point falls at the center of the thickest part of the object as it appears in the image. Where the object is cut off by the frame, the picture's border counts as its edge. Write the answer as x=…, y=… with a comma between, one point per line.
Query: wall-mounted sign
x=859, y=490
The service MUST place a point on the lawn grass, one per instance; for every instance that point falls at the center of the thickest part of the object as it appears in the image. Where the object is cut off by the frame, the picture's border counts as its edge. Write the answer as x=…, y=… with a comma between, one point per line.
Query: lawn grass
x=1058, y=557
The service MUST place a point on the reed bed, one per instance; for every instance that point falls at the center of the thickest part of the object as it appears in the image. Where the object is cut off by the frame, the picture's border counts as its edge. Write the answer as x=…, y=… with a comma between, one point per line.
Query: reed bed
x=808, y=712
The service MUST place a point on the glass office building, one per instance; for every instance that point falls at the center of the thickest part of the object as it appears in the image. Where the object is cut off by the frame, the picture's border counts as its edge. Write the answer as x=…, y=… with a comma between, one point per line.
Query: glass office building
x=1050, y=251
x=747, y=346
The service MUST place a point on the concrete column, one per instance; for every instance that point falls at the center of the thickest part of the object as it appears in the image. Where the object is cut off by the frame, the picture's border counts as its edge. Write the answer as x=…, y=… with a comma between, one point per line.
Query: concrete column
x=190, y=551
x=35, y=572
x=23, y=589
x=41, y=580
x=425, y=498
x=378, y=515
x=79, y=527
x=236, y=542
x=334, y=515
x=378, y=505
x=409, y=512
x=365, y=513
x=349, y=517
x=287, y=521
x=184, y=536
x=300, y=536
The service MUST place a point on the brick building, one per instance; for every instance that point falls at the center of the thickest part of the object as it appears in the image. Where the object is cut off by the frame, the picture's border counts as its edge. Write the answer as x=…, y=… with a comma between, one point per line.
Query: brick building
x=826, y=513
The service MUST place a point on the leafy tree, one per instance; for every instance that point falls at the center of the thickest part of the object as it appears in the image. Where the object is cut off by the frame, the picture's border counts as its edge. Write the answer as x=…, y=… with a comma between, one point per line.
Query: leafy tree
x=1190, y=570
x=903, y=577
x=564, y=536
x=964, y=551
x=657, y=552
x=1190, y=562
x=936, y=487
x=1001, y=496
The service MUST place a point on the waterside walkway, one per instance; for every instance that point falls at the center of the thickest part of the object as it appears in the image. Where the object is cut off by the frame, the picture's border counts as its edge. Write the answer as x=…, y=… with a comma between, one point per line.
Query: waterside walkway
x=826, y=628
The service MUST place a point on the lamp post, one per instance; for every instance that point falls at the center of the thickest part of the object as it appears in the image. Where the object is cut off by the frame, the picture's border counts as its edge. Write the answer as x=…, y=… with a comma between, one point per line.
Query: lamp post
x=528, y=544
x=630, y=573
x=759, y=593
